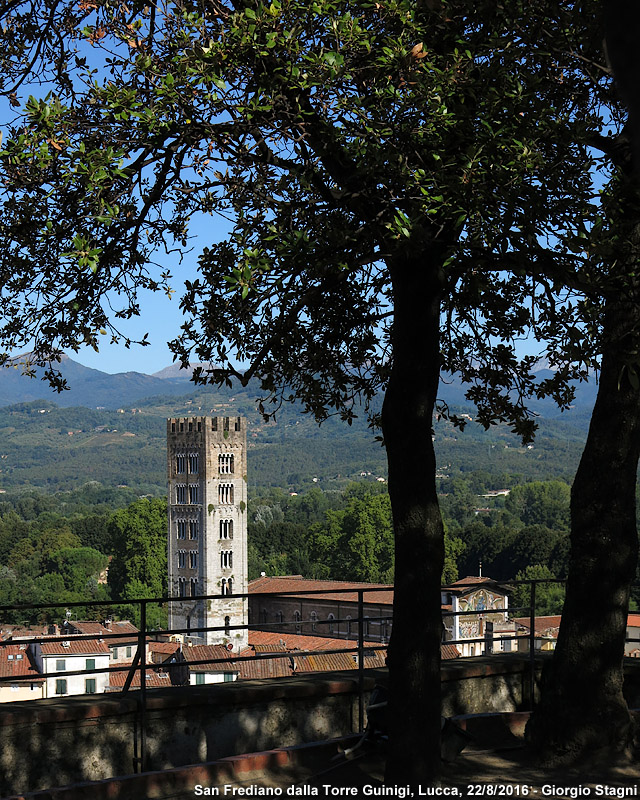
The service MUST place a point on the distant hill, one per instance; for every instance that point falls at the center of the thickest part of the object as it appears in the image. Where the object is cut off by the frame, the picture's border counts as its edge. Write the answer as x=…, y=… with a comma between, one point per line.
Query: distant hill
x=87, y=387
x=95, y=389
x=112, y=429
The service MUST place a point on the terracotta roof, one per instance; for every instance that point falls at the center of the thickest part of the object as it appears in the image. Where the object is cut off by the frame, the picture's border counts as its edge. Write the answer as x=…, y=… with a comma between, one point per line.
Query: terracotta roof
x=324, y=662
x=163, y=647
x=200, y=652
x=448, y=651
x=76, y=647
x=470, y=582
x=10, y=633
x=252, y=668
x=85, y=627
x=16, y=660
x=154, y=680
x=544, y=626
x=127, y=629
x=295, y=583
x=298, y=641
x=633, y=620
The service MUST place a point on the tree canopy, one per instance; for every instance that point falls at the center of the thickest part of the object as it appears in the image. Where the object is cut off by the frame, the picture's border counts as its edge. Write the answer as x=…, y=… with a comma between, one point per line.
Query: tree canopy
x=407, y=186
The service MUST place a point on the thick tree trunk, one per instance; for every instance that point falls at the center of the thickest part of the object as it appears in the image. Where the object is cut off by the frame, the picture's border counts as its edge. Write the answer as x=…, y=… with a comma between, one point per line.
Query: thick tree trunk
x=414, y=650
x=582, y=708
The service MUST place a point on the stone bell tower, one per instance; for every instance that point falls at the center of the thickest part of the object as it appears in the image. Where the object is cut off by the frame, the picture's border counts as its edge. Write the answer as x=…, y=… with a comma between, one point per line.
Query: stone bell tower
x=207, y=552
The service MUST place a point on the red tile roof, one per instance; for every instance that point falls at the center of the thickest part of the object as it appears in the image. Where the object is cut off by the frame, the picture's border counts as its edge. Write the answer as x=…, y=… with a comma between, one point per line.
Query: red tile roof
x=163, y=647
x=76, y=647
x=323, y=662
x=469, y=583
x=448, y=651
x=127, y=629
x=295, y=584
x=16, y=660
x=200, y=652
x=252, y=668
x=633, y=620
x=154, y=680
x=544, y=626
x=298, y=641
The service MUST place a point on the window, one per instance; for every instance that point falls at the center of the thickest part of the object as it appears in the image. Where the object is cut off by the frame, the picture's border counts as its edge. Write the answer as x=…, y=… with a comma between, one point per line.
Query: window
x=193, y=559
x=194, y=587
x=225, y=494
x=296, y=617
x=199, y=678
x=348, y=624
x=193, y=529
x=230, y=586
x=182, y=559
x=228, y=677
x=61, y=686
x=181, y=465
x=128, y=651
x=114, y=653
x=227, y=622
x=226, y=559
x=182, y=529
x=331, y=619
x=90, y=663
x=182, y=589
x=193, y=495
x=225, y=464
x=314, y=619
x=226, y=529
x=61, y=665
x=279, y=616
x=193, y=463
x=90, y=686
x=181, y=494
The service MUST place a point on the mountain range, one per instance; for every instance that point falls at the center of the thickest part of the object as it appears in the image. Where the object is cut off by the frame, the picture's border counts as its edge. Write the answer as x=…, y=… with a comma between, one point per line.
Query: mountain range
x=92, y=388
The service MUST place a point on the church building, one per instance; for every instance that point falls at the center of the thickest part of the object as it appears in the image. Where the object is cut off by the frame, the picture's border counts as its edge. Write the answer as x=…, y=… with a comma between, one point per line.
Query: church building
x=207, y=531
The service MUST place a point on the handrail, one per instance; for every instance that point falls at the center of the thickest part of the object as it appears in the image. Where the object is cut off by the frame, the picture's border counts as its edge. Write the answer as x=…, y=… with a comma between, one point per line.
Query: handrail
x=362, y=641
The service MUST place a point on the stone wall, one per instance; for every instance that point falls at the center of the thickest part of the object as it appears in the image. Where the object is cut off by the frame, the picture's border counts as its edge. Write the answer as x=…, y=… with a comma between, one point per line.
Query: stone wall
x=48, y=743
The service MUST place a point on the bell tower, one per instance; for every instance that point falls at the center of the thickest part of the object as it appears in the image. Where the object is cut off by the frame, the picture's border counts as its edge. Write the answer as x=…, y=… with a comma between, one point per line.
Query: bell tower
x=207, y=531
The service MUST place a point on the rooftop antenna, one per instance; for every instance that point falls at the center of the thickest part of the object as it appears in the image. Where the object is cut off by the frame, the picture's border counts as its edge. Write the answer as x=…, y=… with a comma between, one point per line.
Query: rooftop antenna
x=479, y=569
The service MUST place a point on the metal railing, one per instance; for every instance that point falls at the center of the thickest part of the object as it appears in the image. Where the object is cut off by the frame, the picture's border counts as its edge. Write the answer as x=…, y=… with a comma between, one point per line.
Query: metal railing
x=361, y=646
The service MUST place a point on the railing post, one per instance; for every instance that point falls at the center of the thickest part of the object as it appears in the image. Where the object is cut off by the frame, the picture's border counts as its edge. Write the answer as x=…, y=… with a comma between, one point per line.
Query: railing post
x=532, y=644
x=142, y=647
x=360, y=661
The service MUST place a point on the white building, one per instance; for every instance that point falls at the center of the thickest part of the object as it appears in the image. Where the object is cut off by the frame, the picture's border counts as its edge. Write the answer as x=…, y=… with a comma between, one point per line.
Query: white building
x=68, y=656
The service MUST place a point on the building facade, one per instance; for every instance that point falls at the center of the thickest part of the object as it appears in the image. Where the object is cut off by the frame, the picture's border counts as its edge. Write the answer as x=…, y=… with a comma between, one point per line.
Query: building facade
x=207, y=532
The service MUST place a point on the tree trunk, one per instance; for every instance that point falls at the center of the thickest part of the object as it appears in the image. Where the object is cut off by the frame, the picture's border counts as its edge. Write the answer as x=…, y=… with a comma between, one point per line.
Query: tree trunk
x=414, y=650
x=582, y=707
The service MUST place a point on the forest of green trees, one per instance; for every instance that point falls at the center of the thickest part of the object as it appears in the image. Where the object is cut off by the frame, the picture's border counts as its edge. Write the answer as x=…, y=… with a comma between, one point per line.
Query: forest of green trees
x=55, y=547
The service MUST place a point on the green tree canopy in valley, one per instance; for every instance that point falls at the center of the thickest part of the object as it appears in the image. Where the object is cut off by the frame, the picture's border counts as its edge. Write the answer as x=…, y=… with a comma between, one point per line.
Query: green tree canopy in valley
x=138, y=536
